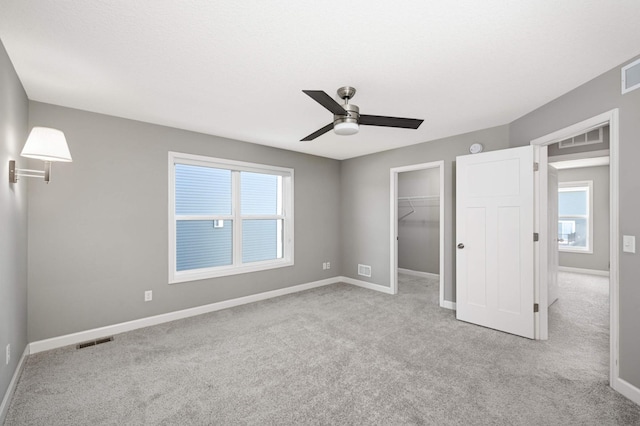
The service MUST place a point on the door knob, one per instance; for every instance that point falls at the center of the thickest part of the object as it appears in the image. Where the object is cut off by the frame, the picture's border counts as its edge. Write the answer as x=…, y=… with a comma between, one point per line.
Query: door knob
x=460, y=246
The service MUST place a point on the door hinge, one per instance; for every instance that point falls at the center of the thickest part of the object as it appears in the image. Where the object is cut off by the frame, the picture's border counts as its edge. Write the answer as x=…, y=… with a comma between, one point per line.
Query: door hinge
x=536, y=167
x=535, y=307
x=536, y=236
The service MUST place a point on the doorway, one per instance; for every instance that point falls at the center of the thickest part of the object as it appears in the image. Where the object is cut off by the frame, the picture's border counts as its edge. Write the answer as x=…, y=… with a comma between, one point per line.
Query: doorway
x=417, y=216
x=542, y=250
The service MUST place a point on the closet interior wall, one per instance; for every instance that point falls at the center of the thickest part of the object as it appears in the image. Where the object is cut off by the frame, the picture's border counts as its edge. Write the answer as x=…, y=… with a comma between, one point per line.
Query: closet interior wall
x=419, y=221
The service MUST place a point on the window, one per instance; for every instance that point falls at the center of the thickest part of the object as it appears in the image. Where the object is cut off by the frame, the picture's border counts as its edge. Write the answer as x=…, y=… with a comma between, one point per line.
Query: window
x=227, y=217
x=575, y=225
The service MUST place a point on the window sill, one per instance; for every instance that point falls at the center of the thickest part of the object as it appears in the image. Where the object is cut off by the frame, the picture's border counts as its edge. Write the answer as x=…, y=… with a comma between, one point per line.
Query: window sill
x=576, y=250
x=203, y=274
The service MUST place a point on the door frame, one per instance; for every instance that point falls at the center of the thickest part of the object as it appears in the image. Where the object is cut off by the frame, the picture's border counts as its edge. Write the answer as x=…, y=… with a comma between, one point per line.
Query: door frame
x=541, y=253
x=393, y=225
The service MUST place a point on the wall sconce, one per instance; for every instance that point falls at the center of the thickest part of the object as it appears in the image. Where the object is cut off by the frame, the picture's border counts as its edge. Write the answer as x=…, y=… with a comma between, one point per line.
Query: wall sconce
x=44, y=144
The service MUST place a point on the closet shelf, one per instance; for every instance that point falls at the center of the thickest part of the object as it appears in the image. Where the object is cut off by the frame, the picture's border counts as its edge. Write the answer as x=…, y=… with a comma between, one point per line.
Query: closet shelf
x=419, y=197
x=413, y=202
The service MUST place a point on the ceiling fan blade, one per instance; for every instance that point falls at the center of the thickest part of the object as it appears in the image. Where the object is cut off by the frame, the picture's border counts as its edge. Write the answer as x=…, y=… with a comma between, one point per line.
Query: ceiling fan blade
x=326, y=101
x=317, y=133
x=379, y=120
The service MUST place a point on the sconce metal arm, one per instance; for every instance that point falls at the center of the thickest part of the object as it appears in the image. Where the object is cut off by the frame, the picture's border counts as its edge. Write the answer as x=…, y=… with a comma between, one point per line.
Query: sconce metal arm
x=15, y=173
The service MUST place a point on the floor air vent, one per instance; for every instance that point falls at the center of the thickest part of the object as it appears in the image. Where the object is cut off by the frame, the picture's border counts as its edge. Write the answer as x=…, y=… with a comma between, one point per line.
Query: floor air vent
x=94, y=342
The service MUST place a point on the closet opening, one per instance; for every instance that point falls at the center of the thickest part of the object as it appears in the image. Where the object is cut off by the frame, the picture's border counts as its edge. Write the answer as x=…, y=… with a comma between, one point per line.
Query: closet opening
x=417, y=225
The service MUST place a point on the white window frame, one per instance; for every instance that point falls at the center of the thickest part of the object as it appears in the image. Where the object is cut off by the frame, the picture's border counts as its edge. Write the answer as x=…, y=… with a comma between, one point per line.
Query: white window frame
x=567, y=187
x=237, y=267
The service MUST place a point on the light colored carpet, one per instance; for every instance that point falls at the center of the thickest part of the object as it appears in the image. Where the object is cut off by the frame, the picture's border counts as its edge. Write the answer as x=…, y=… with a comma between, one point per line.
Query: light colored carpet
x=337, y=355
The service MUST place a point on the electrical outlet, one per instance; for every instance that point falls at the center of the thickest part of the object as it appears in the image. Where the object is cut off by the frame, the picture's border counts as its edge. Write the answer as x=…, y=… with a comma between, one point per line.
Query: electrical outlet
x=324, y=265
x=8, y=357
x=148, y=296
x=328, y=265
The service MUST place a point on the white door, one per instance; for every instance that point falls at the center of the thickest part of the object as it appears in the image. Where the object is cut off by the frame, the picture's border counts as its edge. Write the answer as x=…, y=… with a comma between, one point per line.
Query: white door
x=494, y=233
x=552, y=233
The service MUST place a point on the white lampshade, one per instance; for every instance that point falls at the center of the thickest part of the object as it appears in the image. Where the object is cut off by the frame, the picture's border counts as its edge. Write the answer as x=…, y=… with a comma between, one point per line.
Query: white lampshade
x=346, y=128
x=46, y=144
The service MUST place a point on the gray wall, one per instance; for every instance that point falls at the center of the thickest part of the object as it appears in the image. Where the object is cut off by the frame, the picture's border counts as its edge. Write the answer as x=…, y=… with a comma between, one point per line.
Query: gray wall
x=599, y=259
x=98, y=231
x=13, y=222
x=419, y=232
x=365, y=201
x=595, y=97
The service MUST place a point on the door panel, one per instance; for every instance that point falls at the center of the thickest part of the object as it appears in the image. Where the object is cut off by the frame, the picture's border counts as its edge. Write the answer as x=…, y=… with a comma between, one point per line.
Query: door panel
x=494, y=231
x=508, y=259
x=476, y=224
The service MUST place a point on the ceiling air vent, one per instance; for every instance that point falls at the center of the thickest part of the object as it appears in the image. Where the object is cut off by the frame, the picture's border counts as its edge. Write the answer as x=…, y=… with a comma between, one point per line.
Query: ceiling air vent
x=631, y=76
x=589, y=138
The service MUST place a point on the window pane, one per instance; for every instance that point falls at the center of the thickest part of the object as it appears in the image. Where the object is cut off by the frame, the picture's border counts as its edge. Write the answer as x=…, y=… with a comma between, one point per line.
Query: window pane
x=203, y=244
x=261, y=240
x=202, y=190
x=572, y=233
x=260, y=193
x=572, y=202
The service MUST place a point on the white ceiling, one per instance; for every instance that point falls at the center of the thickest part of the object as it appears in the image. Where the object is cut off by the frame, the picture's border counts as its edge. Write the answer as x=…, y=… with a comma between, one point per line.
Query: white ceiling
x=237, y=68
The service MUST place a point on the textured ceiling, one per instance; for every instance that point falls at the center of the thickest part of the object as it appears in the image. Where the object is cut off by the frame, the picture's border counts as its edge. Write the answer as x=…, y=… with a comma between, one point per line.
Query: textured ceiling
x=237, y=68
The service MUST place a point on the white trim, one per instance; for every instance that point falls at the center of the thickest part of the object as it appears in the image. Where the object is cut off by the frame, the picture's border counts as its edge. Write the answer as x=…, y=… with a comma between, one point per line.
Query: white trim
x=393, y=223
x=4, y=407
x=541, y=222
x=610, y=117
x=418, y=273
x=578, y=156
x=614, y=232
x=96, y=333
x=627, y=389
x=583, y=271
x=580, y=163
x=448, y=305
x=367, y=285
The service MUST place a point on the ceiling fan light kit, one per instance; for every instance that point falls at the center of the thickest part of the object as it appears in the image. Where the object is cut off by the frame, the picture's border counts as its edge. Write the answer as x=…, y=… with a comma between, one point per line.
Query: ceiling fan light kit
x=347, y=124
x=347, y=118
x=345, y=128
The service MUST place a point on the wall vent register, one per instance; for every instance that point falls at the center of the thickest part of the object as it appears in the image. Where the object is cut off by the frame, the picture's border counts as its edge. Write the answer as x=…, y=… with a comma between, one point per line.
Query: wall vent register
x=589, y=138
x=631, y=76
x=364, y=270
x=94, y=342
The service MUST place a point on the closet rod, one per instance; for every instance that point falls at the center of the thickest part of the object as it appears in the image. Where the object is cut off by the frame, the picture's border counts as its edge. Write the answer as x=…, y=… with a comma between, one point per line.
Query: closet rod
x=419, y=197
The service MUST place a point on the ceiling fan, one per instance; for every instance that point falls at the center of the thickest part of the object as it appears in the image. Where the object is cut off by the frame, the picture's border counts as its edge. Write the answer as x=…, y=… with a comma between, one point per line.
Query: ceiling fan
x=347, y=117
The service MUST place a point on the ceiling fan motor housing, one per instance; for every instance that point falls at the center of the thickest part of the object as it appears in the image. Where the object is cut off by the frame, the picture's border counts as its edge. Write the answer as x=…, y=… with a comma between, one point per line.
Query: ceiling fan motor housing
x=347, y=124
x=352, y=117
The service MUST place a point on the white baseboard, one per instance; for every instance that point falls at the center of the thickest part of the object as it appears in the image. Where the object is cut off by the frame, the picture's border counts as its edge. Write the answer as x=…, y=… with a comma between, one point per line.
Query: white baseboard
x=418, y=273
x=96, y=333
x=626, y=389
x=583, y=271
x=367, y=285
x=4, y=407
x=448, y=305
